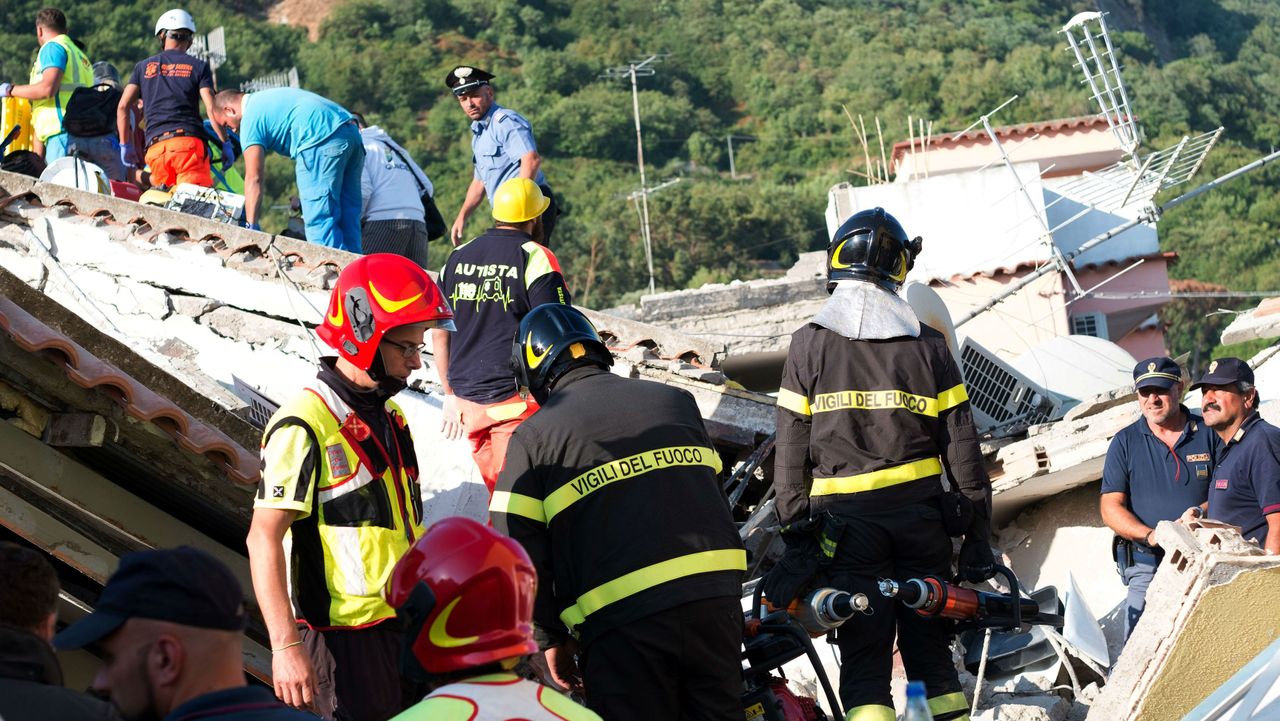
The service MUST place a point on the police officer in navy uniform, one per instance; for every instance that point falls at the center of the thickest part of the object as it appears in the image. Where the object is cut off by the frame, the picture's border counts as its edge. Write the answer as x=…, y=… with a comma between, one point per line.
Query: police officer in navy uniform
x=1246, y=485
x=1155, y=468
x=612, y=488
x=502, y=148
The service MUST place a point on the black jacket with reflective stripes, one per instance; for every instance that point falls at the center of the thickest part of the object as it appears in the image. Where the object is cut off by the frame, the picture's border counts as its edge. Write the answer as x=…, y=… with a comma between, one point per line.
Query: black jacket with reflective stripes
x=612, y=488
x=871, y=424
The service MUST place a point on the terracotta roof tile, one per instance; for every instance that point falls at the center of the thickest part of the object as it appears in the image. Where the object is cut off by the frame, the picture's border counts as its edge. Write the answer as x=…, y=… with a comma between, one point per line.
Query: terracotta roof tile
x=88, y=371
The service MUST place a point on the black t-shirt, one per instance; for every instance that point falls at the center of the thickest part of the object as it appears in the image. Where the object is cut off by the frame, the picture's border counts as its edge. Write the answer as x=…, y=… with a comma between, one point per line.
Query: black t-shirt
x=170, y=84
x=492, y=282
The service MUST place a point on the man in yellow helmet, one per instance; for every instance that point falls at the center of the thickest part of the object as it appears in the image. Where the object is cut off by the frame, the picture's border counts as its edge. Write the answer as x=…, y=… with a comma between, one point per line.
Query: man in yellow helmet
x=60, y=68
x=492, y=281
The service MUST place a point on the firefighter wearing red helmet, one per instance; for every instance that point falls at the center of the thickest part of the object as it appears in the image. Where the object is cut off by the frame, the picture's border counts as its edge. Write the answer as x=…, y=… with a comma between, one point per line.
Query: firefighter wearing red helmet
x=339, y=475
x=466, y=595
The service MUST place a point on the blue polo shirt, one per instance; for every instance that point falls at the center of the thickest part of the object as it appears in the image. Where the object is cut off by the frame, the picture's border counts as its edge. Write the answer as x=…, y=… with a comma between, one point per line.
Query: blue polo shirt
x=287, y=121
x=1161, y=483
x=1246, y=486
x=500, y=139
x=244, y=703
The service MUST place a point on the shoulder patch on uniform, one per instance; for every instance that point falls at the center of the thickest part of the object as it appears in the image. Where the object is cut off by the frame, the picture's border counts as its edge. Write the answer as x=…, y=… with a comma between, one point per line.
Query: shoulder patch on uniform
x=338, y=465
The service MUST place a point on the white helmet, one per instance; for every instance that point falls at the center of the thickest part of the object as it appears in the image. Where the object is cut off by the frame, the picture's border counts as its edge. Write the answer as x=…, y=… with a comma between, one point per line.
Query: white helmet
x=176, y=20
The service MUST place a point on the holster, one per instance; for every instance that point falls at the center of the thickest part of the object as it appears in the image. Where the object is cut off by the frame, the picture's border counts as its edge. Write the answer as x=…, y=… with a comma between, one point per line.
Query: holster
x=1122, y=551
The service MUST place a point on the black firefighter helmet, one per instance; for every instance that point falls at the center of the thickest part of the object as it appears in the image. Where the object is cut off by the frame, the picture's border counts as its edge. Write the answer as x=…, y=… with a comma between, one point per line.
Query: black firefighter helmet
x=553, y=339
x=871, y=246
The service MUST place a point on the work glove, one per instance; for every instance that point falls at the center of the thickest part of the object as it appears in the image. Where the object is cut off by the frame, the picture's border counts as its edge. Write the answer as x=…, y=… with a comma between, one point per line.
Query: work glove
x=800, y=562
x=6, y=89
x=976, y=562
x=126, y=155
x=228, y=154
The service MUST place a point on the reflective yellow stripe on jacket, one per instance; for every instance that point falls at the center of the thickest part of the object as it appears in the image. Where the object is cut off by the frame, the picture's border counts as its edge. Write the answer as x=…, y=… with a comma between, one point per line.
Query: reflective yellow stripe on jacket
x=891, y=399
x=874, y=480
x=601, y=476
x=46, y=114
x=733, y=559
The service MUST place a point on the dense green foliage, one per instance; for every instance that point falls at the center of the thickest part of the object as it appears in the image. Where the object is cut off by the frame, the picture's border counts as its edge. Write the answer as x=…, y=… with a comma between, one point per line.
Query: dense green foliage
x=776, y=70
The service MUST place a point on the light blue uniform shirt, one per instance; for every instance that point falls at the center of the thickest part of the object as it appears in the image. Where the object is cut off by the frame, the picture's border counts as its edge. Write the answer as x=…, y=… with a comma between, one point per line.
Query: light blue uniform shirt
x=502, y=137
x=287, y=121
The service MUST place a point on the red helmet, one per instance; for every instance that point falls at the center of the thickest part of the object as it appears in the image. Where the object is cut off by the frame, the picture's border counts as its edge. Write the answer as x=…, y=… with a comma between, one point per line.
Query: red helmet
x=374, y=294
x=467, y=592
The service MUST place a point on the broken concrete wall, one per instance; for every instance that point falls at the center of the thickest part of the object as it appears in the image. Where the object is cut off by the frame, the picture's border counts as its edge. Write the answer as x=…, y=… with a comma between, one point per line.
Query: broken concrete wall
x=1213, y=606
x=1063, y=538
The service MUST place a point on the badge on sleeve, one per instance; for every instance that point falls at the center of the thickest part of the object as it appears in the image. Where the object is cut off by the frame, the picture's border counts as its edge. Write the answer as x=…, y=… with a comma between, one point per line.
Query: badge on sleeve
x=1220, y=484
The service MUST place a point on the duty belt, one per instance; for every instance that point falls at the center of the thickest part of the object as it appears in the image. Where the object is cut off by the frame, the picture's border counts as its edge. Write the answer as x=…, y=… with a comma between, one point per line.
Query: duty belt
x=169, y=134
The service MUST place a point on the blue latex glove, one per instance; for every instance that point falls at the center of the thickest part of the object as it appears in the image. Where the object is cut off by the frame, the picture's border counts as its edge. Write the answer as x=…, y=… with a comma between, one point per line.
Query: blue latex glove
x=6, y=89
x=126, y=156
x=228, y=154
x=254, y=226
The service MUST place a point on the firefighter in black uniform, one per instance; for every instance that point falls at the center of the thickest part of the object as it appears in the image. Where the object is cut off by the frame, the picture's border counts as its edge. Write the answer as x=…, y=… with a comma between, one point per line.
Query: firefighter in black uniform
x=612, y=489
x=871, y=411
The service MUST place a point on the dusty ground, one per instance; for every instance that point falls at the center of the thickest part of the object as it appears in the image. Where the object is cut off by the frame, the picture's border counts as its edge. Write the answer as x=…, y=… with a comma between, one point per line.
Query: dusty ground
x=305, y=13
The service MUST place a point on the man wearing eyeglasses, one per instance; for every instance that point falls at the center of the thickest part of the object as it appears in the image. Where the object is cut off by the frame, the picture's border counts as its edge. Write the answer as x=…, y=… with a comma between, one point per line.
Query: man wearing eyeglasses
x=340, y=477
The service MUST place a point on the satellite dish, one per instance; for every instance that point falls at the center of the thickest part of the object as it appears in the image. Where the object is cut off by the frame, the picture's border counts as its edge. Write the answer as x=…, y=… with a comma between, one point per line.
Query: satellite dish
x=1077, y=366
x=932, y=311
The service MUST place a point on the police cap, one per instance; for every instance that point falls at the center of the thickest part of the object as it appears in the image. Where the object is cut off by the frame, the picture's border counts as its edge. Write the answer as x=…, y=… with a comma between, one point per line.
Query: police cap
x=1160, y=372
x=464, y=78
x=1225, y=372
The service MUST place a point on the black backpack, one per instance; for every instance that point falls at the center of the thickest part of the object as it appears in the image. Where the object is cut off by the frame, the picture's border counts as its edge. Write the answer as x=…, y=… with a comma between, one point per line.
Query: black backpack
x=91, y=111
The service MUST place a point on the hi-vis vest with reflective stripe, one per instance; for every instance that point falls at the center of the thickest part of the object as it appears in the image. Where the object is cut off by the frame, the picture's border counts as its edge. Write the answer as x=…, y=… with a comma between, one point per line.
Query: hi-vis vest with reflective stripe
x=46, y=114
x=496, y=697
x=361, y=524
x=871, y=400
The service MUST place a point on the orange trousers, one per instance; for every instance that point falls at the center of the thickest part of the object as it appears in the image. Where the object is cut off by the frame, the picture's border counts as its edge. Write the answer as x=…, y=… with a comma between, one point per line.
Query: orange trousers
x=180, y=159
x=489, y=428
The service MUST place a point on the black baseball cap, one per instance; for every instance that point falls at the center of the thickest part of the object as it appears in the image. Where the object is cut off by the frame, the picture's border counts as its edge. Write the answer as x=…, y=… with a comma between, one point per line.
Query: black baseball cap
x=1161, y=372
x=182, y=585
x=1225, y=371
x=464, y=78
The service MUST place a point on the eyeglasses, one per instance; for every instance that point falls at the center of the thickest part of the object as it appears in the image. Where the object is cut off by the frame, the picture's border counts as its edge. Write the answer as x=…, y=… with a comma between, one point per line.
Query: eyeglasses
x=407, y=350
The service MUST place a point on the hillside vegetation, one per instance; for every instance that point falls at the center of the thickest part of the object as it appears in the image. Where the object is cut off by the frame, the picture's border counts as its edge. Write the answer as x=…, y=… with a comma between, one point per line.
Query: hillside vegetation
x=775, y=70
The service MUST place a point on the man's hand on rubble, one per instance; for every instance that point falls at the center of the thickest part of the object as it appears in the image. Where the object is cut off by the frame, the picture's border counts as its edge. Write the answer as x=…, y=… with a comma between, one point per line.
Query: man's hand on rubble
x=1193, y=513
x=562, y=661
x=451, y=419
x=977, y=564
x=294, y=677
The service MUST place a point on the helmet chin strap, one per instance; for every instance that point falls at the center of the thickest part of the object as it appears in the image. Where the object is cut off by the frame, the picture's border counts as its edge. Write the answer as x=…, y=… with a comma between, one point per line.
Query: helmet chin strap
x=378, y=374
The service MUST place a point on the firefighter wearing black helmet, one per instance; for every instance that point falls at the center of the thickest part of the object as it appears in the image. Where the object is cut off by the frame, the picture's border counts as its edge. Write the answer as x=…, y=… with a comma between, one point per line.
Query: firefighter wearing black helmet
x=612, y=489
x=871, y=411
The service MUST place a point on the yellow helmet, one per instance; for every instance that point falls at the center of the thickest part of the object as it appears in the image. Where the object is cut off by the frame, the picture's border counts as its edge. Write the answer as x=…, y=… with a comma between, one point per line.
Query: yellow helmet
x=518, y=200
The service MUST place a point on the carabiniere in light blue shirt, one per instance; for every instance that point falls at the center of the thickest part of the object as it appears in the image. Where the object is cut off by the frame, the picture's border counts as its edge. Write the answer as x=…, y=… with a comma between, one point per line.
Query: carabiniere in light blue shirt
x=500, y=139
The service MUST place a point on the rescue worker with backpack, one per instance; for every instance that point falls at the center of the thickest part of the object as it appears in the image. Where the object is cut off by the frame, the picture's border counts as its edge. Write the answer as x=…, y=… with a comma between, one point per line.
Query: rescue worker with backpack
x=466, y=594
x=60, y=69
x=340, y=476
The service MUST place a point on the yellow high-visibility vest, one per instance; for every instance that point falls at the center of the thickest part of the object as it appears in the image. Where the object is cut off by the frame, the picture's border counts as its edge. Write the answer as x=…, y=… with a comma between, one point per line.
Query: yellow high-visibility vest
x=46, y=113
